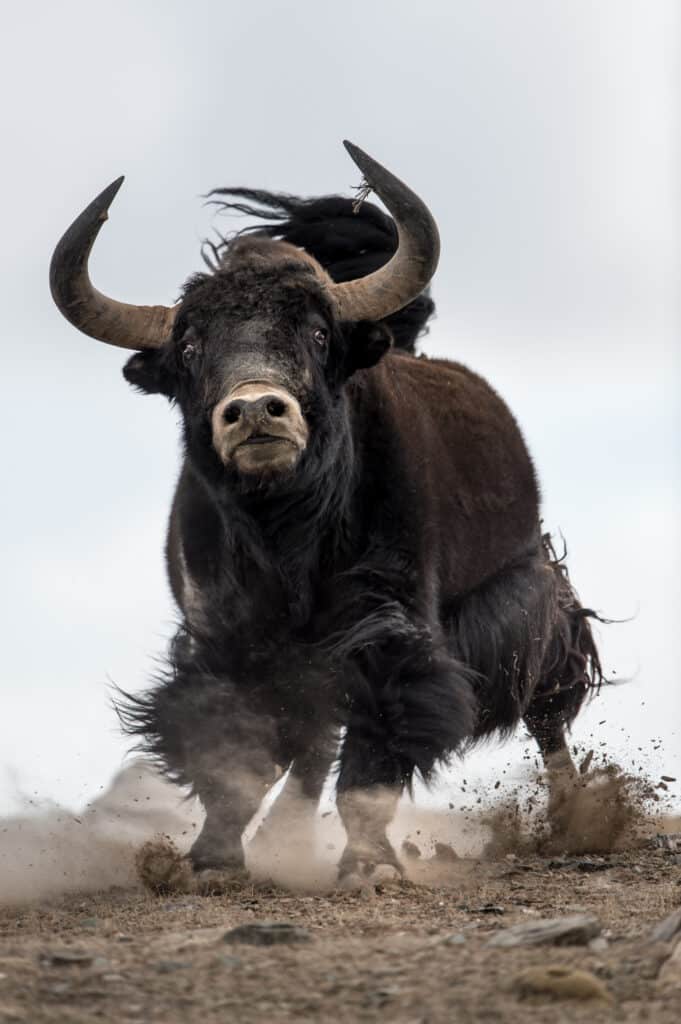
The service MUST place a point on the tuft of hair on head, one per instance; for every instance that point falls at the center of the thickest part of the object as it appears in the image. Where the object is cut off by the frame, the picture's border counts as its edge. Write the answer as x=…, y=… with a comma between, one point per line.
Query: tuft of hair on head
x=348, y=242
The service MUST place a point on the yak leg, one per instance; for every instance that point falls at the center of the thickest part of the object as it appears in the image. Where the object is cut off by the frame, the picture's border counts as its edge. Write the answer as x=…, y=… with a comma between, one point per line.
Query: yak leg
x=415, y=707
x=206, y=733
x=549, y=732
x=366, y=815
x=229, y=802
x=293, y=812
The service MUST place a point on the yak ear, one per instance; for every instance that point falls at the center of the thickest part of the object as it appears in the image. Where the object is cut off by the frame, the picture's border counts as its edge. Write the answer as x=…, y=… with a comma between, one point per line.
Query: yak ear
x=367, y=342
x=147, y=372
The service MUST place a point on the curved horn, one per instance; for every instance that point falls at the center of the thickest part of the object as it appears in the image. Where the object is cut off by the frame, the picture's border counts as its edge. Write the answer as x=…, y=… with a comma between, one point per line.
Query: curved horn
x=105, y=319
x=405, y=276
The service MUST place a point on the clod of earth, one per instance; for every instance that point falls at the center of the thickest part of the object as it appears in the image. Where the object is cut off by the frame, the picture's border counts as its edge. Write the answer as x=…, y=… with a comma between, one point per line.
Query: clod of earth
x=266, y=934
x=162, y=869
x=574, y=930
x=560, y=983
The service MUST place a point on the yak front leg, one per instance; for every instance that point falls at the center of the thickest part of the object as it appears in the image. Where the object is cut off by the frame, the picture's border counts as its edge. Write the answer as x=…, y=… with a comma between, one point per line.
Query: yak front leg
x=230, y=799
x=413, y=707
x=204, y=731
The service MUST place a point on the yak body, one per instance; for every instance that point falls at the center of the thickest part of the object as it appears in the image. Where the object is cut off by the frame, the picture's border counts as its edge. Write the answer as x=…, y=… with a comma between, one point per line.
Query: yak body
x=395, y=583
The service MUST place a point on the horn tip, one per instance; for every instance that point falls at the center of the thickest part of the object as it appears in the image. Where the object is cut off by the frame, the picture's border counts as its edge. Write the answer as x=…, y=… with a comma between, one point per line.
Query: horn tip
x=366, y=163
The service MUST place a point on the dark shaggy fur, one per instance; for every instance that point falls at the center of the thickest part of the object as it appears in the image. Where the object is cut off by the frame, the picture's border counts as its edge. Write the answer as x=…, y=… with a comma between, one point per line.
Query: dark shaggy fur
x=349, y=242
x=394, y=583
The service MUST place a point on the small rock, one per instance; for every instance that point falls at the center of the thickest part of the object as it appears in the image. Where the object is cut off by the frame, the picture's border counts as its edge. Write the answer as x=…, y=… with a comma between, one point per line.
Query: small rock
x=575, y=930
x=66, y=957
x=225, y=961
x=458, y=939
x=410, y=850
x=666, y=930
x=169, y=966
x=670, y=974
x=598, y=945
x=560, y=983
x=264, y=934
x=588, y=866
x=670, y=841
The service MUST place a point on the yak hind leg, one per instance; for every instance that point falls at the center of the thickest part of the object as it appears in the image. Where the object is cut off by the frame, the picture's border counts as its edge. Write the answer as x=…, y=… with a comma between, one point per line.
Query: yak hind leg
x=571, y=670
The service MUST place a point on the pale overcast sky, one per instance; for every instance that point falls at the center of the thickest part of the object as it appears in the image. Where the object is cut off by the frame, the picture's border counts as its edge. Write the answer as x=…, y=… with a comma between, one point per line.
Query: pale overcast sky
x=544, y=136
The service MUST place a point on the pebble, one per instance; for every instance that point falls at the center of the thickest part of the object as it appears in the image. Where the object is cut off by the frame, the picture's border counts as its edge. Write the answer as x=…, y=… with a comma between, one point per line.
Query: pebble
x=267, y=934
x=667, y=929
x=169, y=966
x=66, y=957
x=560, y=983
x=575, y=930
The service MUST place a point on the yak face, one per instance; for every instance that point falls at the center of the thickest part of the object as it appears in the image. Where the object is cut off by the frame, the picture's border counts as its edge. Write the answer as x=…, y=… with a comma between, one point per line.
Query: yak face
x=257, y=363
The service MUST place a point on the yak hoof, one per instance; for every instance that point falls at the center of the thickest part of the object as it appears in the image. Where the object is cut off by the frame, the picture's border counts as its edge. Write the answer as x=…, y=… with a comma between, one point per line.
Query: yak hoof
x=369, y=876
x=361, y=870
x=216, y=882
x=211, y=854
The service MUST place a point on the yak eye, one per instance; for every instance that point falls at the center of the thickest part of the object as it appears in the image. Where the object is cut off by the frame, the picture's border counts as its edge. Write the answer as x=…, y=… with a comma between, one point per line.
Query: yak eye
x=320, y=335
x=188, y=353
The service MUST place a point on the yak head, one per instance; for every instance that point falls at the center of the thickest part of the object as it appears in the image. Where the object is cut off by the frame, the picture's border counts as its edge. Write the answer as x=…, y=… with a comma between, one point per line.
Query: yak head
x=256, y=353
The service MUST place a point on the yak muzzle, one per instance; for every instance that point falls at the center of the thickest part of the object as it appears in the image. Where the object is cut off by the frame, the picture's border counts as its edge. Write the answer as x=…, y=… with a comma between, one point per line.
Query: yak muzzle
x=259, y=428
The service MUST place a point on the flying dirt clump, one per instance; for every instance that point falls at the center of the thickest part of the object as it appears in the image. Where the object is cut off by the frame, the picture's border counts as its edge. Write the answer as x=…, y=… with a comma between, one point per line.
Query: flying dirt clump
x=599, y=811
x=164, y=870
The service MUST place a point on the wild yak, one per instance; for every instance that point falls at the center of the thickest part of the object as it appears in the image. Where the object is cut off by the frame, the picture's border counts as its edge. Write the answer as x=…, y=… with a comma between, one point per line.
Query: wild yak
x=354, y=543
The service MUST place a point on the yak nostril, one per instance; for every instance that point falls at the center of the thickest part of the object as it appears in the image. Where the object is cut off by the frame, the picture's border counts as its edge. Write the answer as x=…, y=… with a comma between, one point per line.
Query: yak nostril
x=232, y=412
x=276, y=407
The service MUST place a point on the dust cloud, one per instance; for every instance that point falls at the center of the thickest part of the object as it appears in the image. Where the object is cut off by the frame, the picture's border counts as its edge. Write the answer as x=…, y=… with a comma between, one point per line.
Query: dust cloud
x=140, y=829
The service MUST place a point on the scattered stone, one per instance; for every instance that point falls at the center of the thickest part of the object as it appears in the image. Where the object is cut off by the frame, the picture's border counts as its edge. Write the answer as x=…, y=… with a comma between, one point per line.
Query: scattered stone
x=66, y=958
x=668, y=929
x=670, y=974
x=588, y=866
x=575, y=930
x=225, y=961
x=671, y=842
x=598, y=945
x=265, y=934
x=458, y=939
x=170, y=966
x=560, y=983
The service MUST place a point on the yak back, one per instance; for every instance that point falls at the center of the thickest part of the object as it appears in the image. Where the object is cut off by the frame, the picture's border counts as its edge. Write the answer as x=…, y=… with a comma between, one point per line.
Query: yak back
x=346, y=243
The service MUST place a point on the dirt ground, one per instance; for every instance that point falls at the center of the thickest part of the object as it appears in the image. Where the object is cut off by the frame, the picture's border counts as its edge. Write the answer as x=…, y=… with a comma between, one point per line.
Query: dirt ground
x=411, y=951
x=405, y=952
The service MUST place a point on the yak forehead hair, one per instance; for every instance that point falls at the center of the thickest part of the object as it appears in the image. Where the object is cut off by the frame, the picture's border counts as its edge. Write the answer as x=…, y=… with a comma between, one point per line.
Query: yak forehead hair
x=348, y=241
x=257, y=272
